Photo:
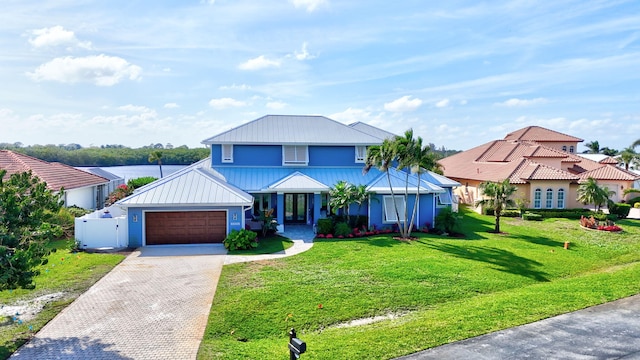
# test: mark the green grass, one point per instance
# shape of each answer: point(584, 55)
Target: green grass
point(268, 245)
point(446, 289)
point(71, 273)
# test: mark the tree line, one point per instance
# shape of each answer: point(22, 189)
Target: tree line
point(108, 155)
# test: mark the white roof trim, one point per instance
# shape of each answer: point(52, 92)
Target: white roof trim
point(298, 181)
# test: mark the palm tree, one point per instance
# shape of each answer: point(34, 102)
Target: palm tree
point(592, 193)
point(635, 144)
point(341, 195)
point(156, 156)
point(628, 156)
point(593, 147)
point(497, 196)
point(382, 157)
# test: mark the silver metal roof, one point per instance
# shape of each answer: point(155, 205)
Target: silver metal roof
point(372, 130)
point(398, 181)
point(298, 181)
point(294, 129)
point(195, 186)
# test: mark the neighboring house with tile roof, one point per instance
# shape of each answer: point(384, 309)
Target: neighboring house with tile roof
point(81, 188)
point(282, 162)
point(543, 165)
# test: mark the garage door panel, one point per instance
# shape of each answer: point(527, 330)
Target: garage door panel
point(188, 227)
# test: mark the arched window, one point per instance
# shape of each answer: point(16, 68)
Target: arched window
point(571, 149)
point(564, 147)
point(560, 204)
point(549, 203)
point(537, 198)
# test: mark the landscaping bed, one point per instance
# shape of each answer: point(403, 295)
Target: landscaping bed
point(422, 293)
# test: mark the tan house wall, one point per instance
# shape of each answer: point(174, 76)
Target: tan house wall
point(558, 145)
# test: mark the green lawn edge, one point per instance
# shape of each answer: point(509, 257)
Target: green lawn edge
point(268, 245)
point(444, 323)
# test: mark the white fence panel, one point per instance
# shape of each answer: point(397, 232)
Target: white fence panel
point(95, 233)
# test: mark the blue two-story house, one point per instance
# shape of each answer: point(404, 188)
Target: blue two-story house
point(281, 162)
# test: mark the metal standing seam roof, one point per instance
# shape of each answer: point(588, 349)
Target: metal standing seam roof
point(298, 181)
point(195, 187)
point(103, 173)
point(294, 129)
point(398, 180)
point(372, 130)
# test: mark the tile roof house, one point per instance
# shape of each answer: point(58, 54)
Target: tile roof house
point(541, 162)
point(81, 188)
point(281, 162)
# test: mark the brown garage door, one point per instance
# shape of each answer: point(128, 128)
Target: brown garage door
point(185, 227)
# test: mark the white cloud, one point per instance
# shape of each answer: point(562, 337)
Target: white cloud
point(304, 54)
point(310, 5)
point(224, 103)
point(403, 104)
point(134, 108)
point(208, 2)
point(101, 70)
point(56, 36)
point(171, 106)
point(352, 115)
point(276, 105)
point(235, 87)
point(522, 102)
point(442, 103)
point(261, 62)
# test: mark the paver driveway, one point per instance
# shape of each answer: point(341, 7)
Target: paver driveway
point(151, 306)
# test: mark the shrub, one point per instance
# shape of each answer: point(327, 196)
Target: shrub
point(446, 220)
point(325, 226)
point(531, 216)
point(637, 205)
point(488, 211)
point(141, 181)
point(342, 229)
point(634, 201)
point(510, 213)
point(241, 240)
point(619, 209)
point(76, 211)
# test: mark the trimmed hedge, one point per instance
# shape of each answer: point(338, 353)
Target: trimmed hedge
point(510, 213)
point(532, 217)
point(325, 226)
point(619, 209)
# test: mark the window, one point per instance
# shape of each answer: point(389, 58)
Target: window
point(261, 202)
point(295, 155)
point(390, 205)
point(361, 154)
point(560, 204)
point(571, 149)
point(443, 199)
point(564, 147)
point(549, 203)
point(537, 197)
point(227, 153)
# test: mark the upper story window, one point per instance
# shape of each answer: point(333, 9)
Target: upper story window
point(361, 154)
point(227, 153)
point(564, 147)
point(571, 149)
point(295, 155)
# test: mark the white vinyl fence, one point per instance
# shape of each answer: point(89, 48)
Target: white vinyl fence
point(93, 231)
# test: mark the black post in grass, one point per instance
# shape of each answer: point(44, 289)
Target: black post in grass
point(296, 346)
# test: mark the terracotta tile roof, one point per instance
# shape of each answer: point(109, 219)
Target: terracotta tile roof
point(530, 170)
point(609, 160)
point(540, 134)
point(56, 175)
point(609, 172)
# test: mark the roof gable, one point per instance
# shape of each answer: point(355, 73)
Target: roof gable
point(398, 180)
point(540, 134)
point(298, 181)
point(56, 175)
point(609, 172)
point(372, 130)
point(294, 129)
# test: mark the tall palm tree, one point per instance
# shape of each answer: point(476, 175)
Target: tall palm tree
point(593, 147)
point(156, 156)
point(382, 157)
point(497, 196)
point(628, 156)
point(590, 192)
point(635, 144)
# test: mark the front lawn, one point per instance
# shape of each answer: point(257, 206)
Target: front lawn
point(436, 289)
point(266, 245)
point(67, 275)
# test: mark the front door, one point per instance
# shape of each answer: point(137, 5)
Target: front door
point(295, 208)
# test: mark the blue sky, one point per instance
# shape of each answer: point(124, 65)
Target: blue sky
point(460, 73)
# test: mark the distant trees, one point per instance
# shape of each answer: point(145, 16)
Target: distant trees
point(107, 155)
point(593, 147)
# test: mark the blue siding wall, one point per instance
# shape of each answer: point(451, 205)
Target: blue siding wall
point(332, 156)
point(426, 211)
point(249, 155)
